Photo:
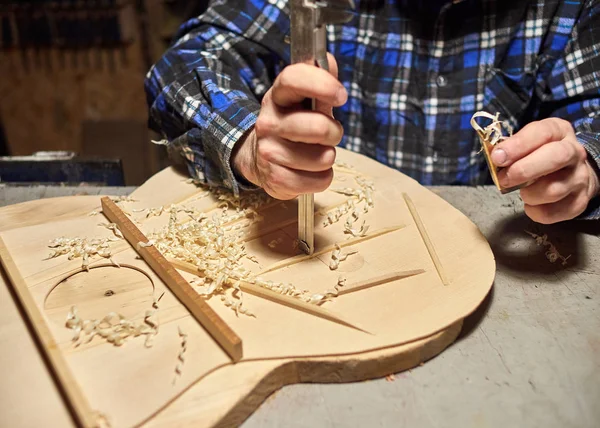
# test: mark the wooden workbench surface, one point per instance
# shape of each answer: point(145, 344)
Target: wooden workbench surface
point(529, 357)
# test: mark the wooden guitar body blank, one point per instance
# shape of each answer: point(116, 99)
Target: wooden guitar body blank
point(418, 270)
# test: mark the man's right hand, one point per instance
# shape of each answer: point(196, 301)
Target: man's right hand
point(291, 150)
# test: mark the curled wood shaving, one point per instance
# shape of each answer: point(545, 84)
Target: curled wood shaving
point(552, 254)
point(114, 227)
point(114, 328)
point(212, 246)
point(141, 244)
point(494, 132)
point(337, 256)
point(341, 164)
point(118, 199)
point(354, 232)
point(155, 212)
point(361, 195)
point(181, 355)
point(85, 248)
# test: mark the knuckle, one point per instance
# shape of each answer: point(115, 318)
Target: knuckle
point(265, 125)
point(556, 191)
point(564, 153)
point(286, 77)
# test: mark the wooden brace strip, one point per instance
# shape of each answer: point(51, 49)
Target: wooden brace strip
point(212, 323)
point(378, 280)
point(290, 302)
point(428, 243)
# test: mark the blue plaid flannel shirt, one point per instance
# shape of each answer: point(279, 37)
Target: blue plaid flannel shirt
point(415, 72)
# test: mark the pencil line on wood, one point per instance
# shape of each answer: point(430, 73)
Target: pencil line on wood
point(425, 236)
point(76, 400)
point(275, 297)
point(212, 323)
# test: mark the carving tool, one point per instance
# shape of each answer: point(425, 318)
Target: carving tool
point(212, 323)
point(309, 19)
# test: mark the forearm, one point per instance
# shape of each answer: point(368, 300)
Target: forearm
point(204, 94)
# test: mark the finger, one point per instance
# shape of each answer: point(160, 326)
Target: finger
point(333, 67)
point(299, 156)
point(545, 160)
point(327, 108)
point(300, 81)
point(529, 139)
point(286, 183)
point(565, 209)
point(304, 126)
point(554, 187)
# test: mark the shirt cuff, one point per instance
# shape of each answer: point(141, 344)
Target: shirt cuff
point(591, 143)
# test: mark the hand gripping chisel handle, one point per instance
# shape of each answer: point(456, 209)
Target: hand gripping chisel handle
point(309, 19)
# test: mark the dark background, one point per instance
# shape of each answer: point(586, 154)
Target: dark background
point(72, 73)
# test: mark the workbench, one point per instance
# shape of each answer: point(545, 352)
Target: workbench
point(528, 357)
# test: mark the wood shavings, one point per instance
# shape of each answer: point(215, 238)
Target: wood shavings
point(114, 227)
point(552, 254)
point(85, 248)
point(118, 199)
point(114, 328)
point(337, 256)
point(155, 212)
point(101, 420)
point(140, 244)
point(494, 132)
point(354, 232)
point(252, 258)
point(341, 164)
point(95, 212)
point(216, 250)
point(181, 355)
point(390, 378)
point(361, 195)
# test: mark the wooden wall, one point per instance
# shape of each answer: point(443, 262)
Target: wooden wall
point(67, 100)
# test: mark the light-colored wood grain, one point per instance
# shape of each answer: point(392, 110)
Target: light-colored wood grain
point(428, 243)
point(77, 400)
point(405, 316)
point(327, 249)
point(265, 293)
point(218, 329)
point(378, 280)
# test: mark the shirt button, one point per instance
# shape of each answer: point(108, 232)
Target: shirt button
point(441, 81)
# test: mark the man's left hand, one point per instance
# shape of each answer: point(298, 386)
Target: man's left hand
point(547, 154)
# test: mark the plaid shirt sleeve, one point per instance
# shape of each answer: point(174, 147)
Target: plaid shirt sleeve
point(574, 86)
point(204, 93)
